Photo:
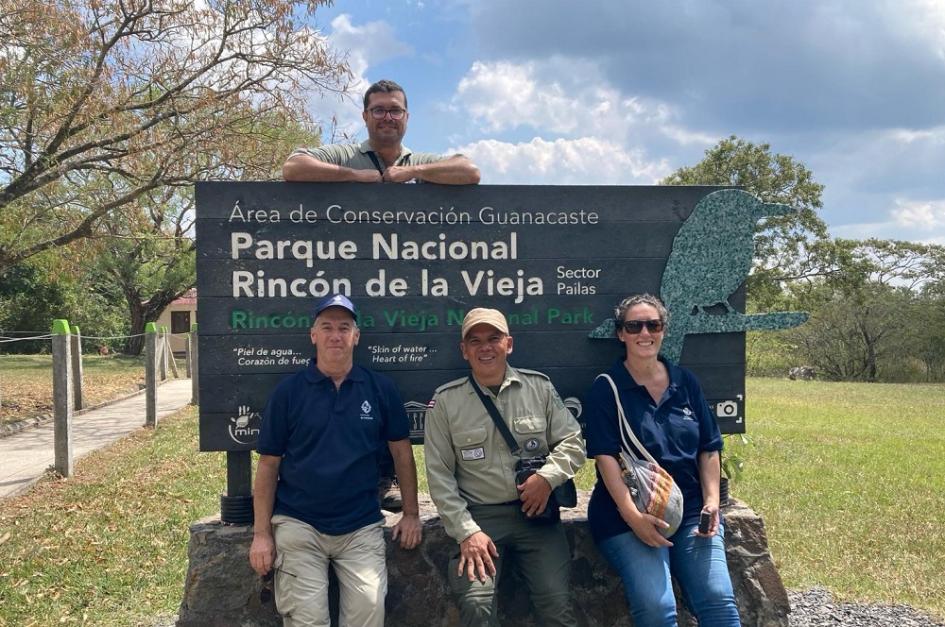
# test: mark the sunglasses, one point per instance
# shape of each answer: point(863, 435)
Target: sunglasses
point(636, 326)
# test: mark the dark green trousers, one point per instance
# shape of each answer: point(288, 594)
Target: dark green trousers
point(540, 551)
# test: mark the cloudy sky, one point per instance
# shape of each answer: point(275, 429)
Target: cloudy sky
point(624, 92)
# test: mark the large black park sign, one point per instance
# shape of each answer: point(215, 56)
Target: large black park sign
point(416, 258)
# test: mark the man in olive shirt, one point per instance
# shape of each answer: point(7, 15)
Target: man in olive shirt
point(471, 474)
point(382, 158)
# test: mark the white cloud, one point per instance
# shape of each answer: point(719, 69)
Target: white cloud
point(933, 135)
point(866, 230)
point(889, 177)
point(365, 45)
point(582, 161)
point(887, 230)
point(910, 220)
point(564, 97)
point(686, 137)
point(505, 95)
point(924, 20)
point(761, 66)
point(920, 214)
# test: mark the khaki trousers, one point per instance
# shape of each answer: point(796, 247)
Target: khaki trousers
point(543, 558)
point(301, 579)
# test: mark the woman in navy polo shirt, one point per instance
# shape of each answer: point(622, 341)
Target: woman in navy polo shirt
point(668, 413)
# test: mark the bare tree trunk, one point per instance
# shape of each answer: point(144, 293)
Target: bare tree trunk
point(136, 315)
point(140, 313)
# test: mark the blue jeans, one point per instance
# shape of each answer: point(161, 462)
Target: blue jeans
point(699, 566)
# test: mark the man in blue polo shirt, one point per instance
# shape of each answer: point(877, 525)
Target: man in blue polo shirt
point(315, 495)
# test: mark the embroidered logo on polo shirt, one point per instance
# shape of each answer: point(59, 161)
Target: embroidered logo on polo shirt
point(366, 411)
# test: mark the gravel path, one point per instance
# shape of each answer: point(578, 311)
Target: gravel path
point(812, 608)
point(816, 608)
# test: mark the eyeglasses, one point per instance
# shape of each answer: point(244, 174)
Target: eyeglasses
point(378, 113)
point(636, 326)
point(265, 593)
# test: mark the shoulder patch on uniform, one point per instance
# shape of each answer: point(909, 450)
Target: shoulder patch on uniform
point(451, 384)
point(534, 372)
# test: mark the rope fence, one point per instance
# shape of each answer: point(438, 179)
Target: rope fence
point(67, 369)
point(4, 339)
point(111, 337)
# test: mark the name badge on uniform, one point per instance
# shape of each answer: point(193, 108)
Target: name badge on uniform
point(471, 454)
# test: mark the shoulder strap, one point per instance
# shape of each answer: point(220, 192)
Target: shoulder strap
point(496, 418)
point(624, 426)
point(375, 161)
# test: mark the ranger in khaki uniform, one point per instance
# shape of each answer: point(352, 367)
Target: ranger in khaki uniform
point(471, 474)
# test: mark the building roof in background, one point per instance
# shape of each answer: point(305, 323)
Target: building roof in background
point(189, 298)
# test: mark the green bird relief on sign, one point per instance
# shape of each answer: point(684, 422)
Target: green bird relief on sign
point(711, 257)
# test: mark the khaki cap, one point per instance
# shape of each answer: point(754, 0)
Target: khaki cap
point(480, 315)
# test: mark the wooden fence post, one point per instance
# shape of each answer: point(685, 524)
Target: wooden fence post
point(187, 356)
point(78, 393)
point(161, 352)
point(170, 353)
point(150, 374)
point(62, 398)
point(194, 367)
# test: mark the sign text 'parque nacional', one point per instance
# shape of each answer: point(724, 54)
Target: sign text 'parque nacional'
point(416, 258)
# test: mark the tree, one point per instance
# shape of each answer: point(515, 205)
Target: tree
point(913, 265)
point(148, 258)
point(929, 325)
point(878, 313)
point(104, 102)
point(788, 247)
point(852, 334)
point(50, 286)
point(144, 251)
point(30, 298)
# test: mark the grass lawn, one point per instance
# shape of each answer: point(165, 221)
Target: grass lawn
point(26, 382)
point(109, 546)
point(850, 479)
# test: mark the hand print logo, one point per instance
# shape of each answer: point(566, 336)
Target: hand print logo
point(244, 427)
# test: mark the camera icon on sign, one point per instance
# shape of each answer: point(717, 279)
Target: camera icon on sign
point(726, 409)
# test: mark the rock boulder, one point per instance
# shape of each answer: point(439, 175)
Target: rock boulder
point(221, 588)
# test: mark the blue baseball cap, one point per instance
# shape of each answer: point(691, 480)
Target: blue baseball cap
point(336, 300)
